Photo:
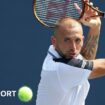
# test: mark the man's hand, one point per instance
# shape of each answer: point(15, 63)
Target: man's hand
point(87, 18)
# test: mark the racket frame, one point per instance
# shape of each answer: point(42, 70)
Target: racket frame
point(100, 13)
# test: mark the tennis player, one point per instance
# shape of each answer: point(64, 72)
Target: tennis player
point(68, 64)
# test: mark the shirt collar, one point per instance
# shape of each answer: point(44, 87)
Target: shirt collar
point(53, 52)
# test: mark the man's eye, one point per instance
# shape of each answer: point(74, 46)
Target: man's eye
point(66, 40)
point(78, 40)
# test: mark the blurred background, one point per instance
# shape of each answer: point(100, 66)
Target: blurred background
point(23, 47)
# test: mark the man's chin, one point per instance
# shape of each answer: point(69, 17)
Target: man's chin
point(71, 56)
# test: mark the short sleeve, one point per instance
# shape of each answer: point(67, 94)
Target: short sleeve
point(70, 76)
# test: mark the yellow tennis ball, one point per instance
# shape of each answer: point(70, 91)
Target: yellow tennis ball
point(25, 94)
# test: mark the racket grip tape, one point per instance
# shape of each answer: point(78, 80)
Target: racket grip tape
point(104, 15)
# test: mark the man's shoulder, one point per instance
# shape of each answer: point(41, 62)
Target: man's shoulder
point(49, 64)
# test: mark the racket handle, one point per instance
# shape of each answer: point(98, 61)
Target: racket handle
point(103, 14)
point(100, 13)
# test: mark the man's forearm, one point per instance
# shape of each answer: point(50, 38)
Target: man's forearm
point(98, 68)
point(89, 49)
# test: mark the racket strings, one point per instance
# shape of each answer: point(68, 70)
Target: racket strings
point(50, 11)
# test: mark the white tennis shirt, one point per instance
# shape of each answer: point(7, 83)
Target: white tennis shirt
point(62, 84)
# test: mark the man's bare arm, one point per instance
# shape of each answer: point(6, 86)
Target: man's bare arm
point(90, 47)
point(98, 69)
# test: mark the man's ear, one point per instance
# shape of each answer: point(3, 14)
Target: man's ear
point(83, 37)
point(53, 40)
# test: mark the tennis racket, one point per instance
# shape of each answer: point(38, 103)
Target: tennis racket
point(48, 12)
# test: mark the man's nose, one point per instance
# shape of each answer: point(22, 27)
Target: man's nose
point(73, 45)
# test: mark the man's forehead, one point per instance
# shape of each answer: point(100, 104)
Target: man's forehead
point(70, 30)
point(72, 36)
point(68, 26)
